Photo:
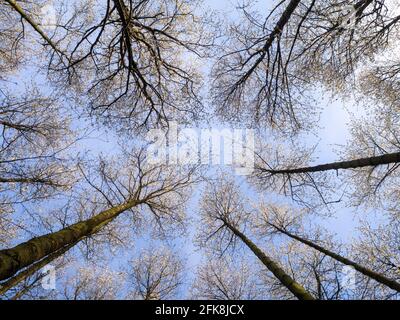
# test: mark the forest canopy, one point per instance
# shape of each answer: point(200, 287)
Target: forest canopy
point(198, 149)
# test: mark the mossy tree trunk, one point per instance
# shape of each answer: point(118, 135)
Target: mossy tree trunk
point(31, 270)
point(15, 259)
point(365, 271)
point(297, 289)
point(352, 164)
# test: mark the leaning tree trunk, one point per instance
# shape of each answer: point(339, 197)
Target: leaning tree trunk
point(26, 289)
point(29, 181)
point(365, 271)
point(14, 259)
point(34, 25)
point(32, 269)
point(283, 20)
point(352, 164)
point(294, 287)
point(12, 282)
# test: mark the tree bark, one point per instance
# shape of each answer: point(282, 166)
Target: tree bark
point(365, 271)
point(361, 6)
point(5, 286)
point(14, 259)
point(283, 20)
point(34, 25)
point(29, 181)
point(294, 287)
point(352, 164)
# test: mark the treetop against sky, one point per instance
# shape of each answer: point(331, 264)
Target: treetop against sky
point(199, 149)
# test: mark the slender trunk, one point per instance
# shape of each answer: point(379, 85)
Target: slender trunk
point(26, 289)
point(367, 272)
point(34, 25)
point(294, 287)
point(361, 6)
point(14, 259)
point(352, 164)
point(19, 127)
point(29, 181)
point(283, 20)
point(12, 282)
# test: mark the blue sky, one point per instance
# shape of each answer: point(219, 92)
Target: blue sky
point(334, 132)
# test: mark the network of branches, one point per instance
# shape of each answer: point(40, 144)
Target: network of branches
point(82, 82)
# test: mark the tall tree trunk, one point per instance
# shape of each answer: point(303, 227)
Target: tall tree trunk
point(361, 6)
point(294, 287)
point(352, 164)
point(12, 282)
point(283, 20)
point(14, 259)
point(29, 181)
point(26, 289)
point(365, 271)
